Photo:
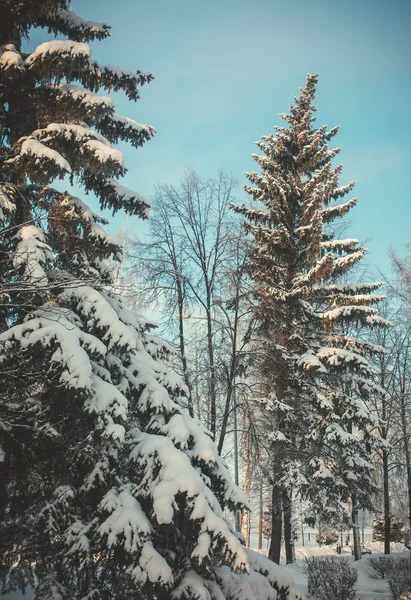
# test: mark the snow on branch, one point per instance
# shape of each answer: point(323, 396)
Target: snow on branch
point(338, 356)
point(340, 245)
point(72, 60)
point(11, 62)
point(379, 321)
point(333, 212)
point(193, 586)
point(38, 161)
point(108, 400)
point(277, 576)
point(92, 305)
point(177, 476)
point(349, 289)
point(69, 23)
point(356, 345)
point(82, 147)
point(51, 328)
point(94, 106)
point(349, 312)
point(32, 254)
point(7, 204)
point(115, 78)
point(344, 263)
point(310, 361)
point(126, 523)
point(152, 567)
point(114, 195)
point(58, 50)
point(117, 127)
point(320, 272)
point(92, 146)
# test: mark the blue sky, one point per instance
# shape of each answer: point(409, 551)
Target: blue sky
point(225, 69)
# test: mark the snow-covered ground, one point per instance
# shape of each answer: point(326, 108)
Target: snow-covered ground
point(367, 588)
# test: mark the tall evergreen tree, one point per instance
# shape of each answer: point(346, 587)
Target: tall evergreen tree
point(315, 367)
point(108, 488)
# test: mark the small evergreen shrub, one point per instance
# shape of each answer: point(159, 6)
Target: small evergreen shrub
point(330, 577)
point(399, 578)
point(396, 530)
point(379, 566)
point(326, 536)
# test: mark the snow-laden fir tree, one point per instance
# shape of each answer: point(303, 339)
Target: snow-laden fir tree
point(108, 488)
point(314, 365)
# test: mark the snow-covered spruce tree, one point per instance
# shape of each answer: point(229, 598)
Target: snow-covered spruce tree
point(108, 488)
point(315, 368)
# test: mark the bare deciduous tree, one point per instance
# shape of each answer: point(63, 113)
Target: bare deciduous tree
point(192, 267)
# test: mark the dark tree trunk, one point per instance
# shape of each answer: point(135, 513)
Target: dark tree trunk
point(405, 433)
point(274, 551)
point(186, 376)
point(210, 348)
point(385, 471)
point(227, 410)
point(260, 519)
point(387, 515)
point(355, 529)
point(288, 528)
point(230, 379)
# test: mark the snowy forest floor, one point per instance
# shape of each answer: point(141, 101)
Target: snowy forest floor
point(367, 588)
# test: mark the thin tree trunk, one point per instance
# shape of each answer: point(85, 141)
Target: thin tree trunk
point(197, 391)
point(403, 385)
point(186, 376)
point(288, 528)
point(226, 414)
point(274, 552)
point(260, 519)
point(302, 522)
point(405, 434)
point(238, 514)
point(231, 381)
point(246, 527)
point(210, 349)
point(385, 471)
point(387, 512)
point(355, 529)
point(247, 473)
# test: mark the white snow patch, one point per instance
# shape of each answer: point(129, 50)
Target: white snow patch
point(10, 59)
point(85, 97)
point(71, 19)
point(126, 520)
point(63, 47)
point(33, 147)
point(152, 567)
